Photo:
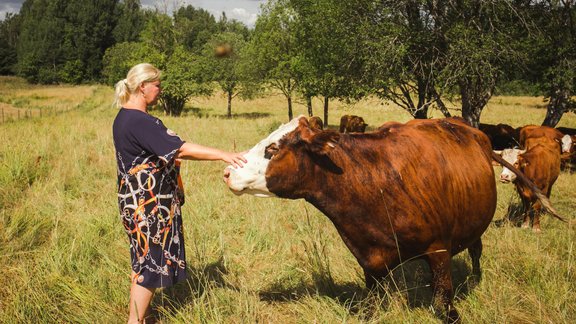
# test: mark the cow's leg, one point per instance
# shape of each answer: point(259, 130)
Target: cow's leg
point(442, 283)
point(372, 278)
point(527, 206)
point(536, 220)
point(475, 251)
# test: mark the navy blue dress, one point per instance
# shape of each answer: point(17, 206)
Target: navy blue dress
point(149, 197)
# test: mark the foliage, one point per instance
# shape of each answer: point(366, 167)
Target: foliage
point(273, 50)
point(122, 56)
point(194, 27)
point(9, 31)
point(225, 71)
point(183, 78)
point(54, 33)
point(131, 21)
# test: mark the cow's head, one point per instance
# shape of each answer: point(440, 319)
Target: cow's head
point(514, 157)
point(274, 164)
point(567, 143)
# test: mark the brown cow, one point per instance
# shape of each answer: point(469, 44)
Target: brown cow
point(352, 124)
point(541, 164)
point(532, 131)
point(501, 136)
point(316, 122)
point(424, 189)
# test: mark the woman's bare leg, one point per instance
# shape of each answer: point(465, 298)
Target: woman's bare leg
point(140, 298)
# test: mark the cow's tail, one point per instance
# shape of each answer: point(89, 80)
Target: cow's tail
point(520, 176)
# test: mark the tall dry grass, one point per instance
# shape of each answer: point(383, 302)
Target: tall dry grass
point(64, 255)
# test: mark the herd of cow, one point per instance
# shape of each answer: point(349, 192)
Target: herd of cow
point(423, 189)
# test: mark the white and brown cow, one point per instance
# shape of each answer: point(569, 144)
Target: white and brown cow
point(541, 164)
point(424, 189)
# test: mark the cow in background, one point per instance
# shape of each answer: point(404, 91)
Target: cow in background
point(316, 123)
point(502, 136)
point(424, 189)
point(541, 164)
point(352, 124)
point(532, 135)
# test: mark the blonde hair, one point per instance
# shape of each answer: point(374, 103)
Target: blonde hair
point(138, 74)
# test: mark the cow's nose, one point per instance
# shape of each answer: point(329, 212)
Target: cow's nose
point(226, 175)
point(504, 178)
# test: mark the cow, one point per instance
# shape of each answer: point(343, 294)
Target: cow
point(424, 189)
point(501, 136)
point(531, 135)
point(352, 124)
point(316, 122)
point(566, 130)
point(541, 164)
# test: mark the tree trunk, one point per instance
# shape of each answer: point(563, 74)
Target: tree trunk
point(475, 94)
point(557, 105)
point(290, 114)
point(229, 104)
point(309, 105)
point(173, 106)
point(326, 101)
point(440, 103)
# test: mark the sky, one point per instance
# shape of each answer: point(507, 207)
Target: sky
point(245, 11)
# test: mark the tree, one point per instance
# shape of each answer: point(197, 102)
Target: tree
point(273, 50)
point(225, 69)
point(64, 41)
point(9, 32)
point(131, 21)
point(194, 27)
point(183, 79)
point(554, 55)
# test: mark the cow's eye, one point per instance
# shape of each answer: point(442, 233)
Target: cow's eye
point(270, 151)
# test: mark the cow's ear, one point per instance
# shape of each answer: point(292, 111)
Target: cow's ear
point(323, 142)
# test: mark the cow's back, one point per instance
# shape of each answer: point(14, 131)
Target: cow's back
point(433, 177)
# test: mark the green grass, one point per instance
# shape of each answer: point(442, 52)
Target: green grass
point(65, 257)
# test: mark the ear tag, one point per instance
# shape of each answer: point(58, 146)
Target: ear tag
point(331, 145)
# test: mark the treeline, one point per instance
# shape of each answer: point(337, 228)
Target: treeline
point(418, 54)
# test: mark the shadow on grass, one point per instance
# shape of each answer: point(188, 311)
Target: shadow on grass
point(250, 115)
point(413, 280)
point(197, 283)
point(514, 216)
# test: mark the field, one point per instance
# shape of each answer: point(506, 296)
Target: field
point(64, 254)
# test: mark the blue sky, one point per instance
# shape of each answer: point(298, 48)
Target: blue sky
point(245, 11)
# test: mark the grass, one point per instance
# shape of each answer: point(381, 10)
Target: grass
point(65, 257)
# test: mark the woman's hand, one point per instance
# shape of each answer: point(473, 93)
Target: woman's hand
point(236, 160)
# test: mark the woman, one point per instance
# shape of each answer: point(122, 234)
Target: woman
point(149, 194)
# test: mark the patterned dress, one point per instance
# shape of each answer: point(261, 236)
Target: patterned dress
point(149, 197)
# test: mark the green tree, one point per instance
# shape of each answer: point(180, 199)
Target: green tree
point(553, 55)
point(225, 70)
point(273, 50)
point(194, 27)
point(9, 32)
point(183, 79)
point(64, 41)
point(39, 48)
point(131, 21)
point(328, 61)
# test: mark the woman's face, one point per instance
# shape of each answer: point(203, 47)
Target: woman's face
point(151, 92)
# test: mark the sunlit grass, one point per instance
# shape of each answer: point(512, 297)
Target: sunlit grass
point(65, 256)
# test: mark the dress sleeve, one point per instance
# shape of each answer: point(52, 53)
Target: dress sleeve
point(153, 136)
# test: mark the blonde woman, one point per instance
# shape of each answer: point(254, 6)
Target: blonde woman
point(149, 195)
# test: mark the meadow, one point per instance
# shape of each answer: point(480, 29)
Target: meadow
point(64, 254)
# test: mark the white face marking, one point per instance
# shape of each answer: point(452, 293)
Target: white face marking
point(566, 143)
point(510, 156)
point(251, 179)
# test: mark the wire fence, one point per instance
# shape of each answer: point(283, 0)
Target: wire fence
point(10, 114)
